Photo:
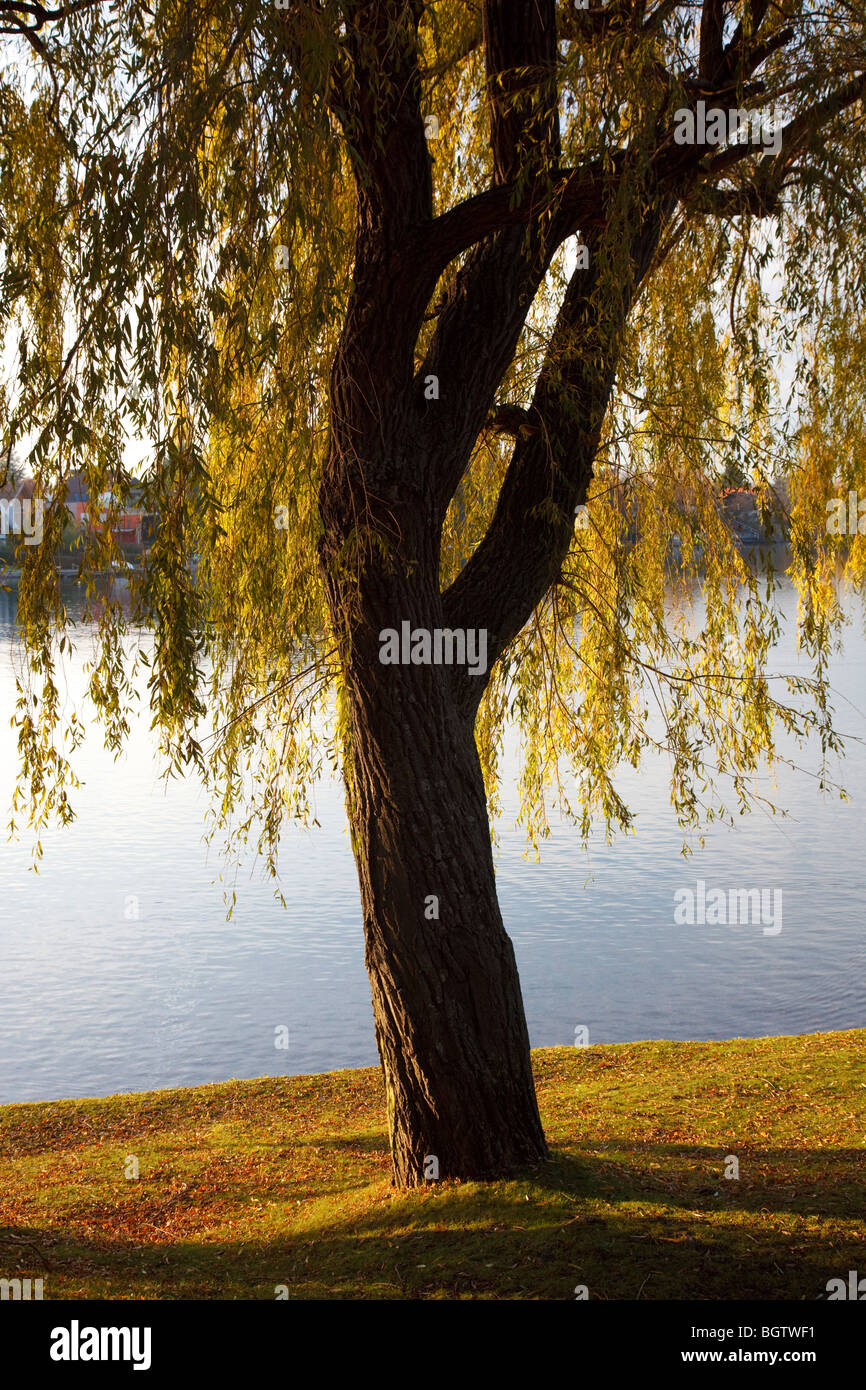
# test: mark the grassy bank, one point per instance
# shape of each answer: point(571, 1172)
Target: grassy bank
point(254, 1184)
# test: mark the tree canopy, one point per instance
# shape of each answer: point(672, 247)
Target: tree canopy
point(155, 162)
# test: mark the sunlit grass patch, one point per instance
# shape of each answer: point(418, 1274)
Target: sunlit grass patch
point(251, 1185)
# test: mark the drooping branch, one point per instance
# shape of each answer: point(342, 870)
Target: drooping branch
point(470, 43)
point(577, 194)
point(521, 555)
point(512, 229)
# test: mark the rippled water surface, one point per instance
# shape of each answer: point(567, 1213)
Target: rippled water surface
point(94, 1000)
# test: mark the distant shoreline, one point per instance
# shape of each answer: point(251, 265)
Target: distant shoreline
point(13, 576)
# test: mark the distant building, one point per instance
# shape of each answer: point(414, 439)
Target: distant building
point(77, 497)
point(751, 524)
point(134, 526)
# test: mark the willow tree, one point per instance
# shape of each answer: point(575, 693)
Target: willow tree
point(436, 321)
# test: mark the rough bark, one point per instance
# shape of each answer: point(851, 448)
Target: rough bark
point(448, 1011)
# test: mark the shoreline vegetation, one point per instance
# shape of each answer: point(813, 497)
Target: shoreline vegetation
point(280, 1187)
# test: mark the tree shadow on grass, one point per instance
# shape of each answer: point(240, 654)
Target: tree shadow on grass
point(821, 1182)
point(607, 1221)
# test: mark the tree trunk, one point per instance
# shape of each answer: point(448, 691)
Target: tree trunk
point(449, 1016)
point(450, 1025)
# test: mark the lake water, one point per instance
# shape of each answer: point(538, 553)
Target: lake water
point(94, 999)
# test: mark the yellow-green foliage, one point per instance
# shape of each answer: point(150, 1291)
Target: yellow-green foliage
point(148, 178)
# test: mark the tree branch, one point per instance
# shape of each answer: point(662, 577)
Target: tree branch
point(520, 61)
point(712, 28)
point(25, 21)
point(572, 195)
point(736, 53)
point(380, 113)
point(807, 123)
point(511, 228)
point(550, 469)
point(371, 379)
point(575, 22)
point(760, 196)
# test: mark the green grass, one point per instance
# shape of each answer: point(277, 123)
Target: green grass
point(253, 1184)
